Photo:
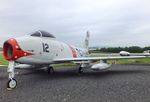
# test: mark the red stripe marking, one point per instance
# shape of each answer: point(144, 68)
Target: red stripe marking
point(74, 53)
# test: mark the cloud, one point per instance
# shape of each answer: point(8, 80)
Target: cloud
point(110, 22)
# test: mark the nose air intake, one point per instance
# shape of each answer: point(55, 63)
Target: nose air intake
point(12, 50)
point(8, 50)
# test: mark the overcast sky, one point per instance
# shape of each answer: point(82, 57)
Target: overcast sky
point(110, 22)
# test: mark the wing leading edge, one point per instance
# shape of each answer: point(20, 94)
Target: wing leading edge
point(97, 58)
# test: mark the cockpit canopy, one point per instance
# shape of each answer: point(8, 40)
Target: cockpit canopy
point(41, 33)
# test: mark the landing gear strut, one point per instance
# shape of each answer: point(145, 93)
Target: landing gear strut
point(12, 83)
point(50, 70)
point(83, 65)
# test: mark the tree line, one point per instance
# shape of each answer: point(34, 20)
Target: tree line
point(132, 49)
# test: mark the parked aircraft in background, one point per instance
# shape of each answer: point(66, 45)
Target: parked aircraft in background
point(146, 53)
point(41, 49)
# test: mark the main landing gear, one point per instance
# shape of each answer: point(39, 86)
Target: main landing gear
point(82, 66)
point(80, 70)
point(12, 83)
point(50, 70)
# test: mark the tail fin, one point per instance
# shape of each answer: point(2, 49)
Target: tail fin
point(86, 43)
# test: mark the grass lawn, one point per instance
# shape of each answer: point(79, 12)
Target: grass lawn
point(123, 61)
point(131, 61)
point(2, 60)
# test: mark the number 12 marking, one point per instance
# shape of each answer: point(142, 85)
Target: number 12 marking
point(45, 47)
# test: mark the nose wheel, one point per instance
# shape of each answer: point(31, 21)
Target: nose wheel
point(11, 84)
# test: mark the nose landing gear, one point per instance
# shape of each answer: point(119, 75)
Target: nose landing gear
point(12, 83)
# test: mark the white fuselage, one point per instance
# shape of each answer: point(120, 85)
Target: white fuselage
point(45, 50)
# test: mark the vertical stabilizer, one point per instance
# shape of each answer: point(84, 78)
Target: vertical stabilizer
point(86, 43)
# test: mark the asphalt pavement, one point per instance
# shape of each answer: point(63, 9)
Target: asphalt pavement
point(121, 83)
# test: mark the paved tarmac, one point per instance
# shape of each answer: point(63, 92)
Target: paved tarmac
point(121, 83)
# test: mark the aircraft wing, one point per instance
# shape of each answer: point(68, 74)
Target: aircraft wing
point(98, 58)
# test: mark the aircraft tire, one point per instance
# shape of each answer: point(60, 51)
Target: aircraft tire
point(50, 70)
point(11, 84)
point(80, 71)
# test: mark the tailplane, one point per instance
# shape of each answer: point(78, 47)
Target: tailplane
point(86, 43)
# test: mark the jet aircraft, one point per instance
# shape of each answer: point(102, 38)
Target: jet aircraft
point(41, 49)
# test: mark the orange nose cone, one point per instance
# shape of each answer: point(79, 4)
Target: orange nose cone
point(12, 50)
